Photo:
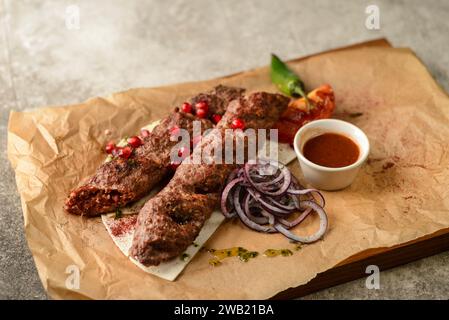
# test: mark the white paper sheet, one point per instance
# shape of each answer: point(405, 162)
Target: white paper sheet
point(171, 269)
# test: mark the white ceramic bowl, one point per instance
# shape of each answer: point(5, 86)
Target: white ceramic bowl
point(326, 178)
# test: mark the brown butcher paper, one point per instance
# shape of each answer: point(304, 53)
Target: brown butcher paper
point(401, 193)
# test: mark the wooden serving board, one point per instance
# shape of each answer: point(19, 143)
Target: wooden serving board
point(385, 258)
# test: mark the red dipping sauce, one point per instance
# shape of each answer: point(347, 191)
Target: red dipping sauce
point(331, 150)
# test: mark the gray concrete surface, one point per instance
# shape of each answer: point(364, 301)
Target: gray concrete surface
point(124, 44)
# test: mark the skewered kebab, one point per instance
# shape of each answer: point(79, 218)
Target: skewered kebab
point(169, 222)
point(126, 179)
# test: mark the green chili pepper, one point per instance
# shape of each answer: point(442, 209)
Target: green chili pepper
point(286, 80)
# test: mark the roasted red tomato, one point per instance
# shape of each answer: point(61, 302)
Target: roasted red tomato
point(321, 106)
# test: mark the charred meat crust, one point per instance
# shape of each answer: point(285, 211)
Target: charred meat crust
point(219, 98)
point(170, 222)
point(120, 181)
point(115, 184)
point(183, 219)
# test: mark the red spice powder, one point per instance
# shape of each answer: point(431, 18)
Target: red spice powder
point(388, 165)
point(123, 225)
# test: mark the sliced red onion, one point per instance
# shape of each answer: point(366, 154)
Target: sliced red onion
point(298, 220)
point(247, 207)
point(266, 202)
point(275, 181)
point(316, 236)
point(246, 220)
point(224, 198)
point(270, 217)
point(308, 191)
point(289, 207)
point(276, 165)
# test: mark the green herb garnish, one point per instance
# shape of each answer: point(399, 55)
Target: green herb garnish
point(118, 213)
point(184, 256)
point(245, 256)
point(286, 252)
point(132, 163)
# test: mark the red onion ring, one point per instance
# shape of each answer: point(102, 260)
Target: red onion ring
point(308, 191)
point(247, 207)
point(224, 198)
point(298, 220)
point(266, 202)
point(246, 220)
point(263, 188)
point(308, 239)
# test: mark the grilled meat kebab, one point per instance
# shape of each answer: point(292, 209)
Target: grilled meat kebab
point(121, 181)
point(168, 223)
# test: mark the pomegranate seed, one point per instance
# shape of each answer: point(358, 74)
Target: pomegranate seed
point(216, 118)
point(110, 147)
point(144, 133)
point(202, 105)
point(174, 165)
point(183, 152)
point(134, 141)
point(201, 113)
point(125, 152)
point(237, 124)
point(186, 107)
point(174, 131)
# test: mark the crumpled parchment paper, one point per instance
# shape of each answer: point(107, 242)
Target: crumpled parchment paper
point(401, 193)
